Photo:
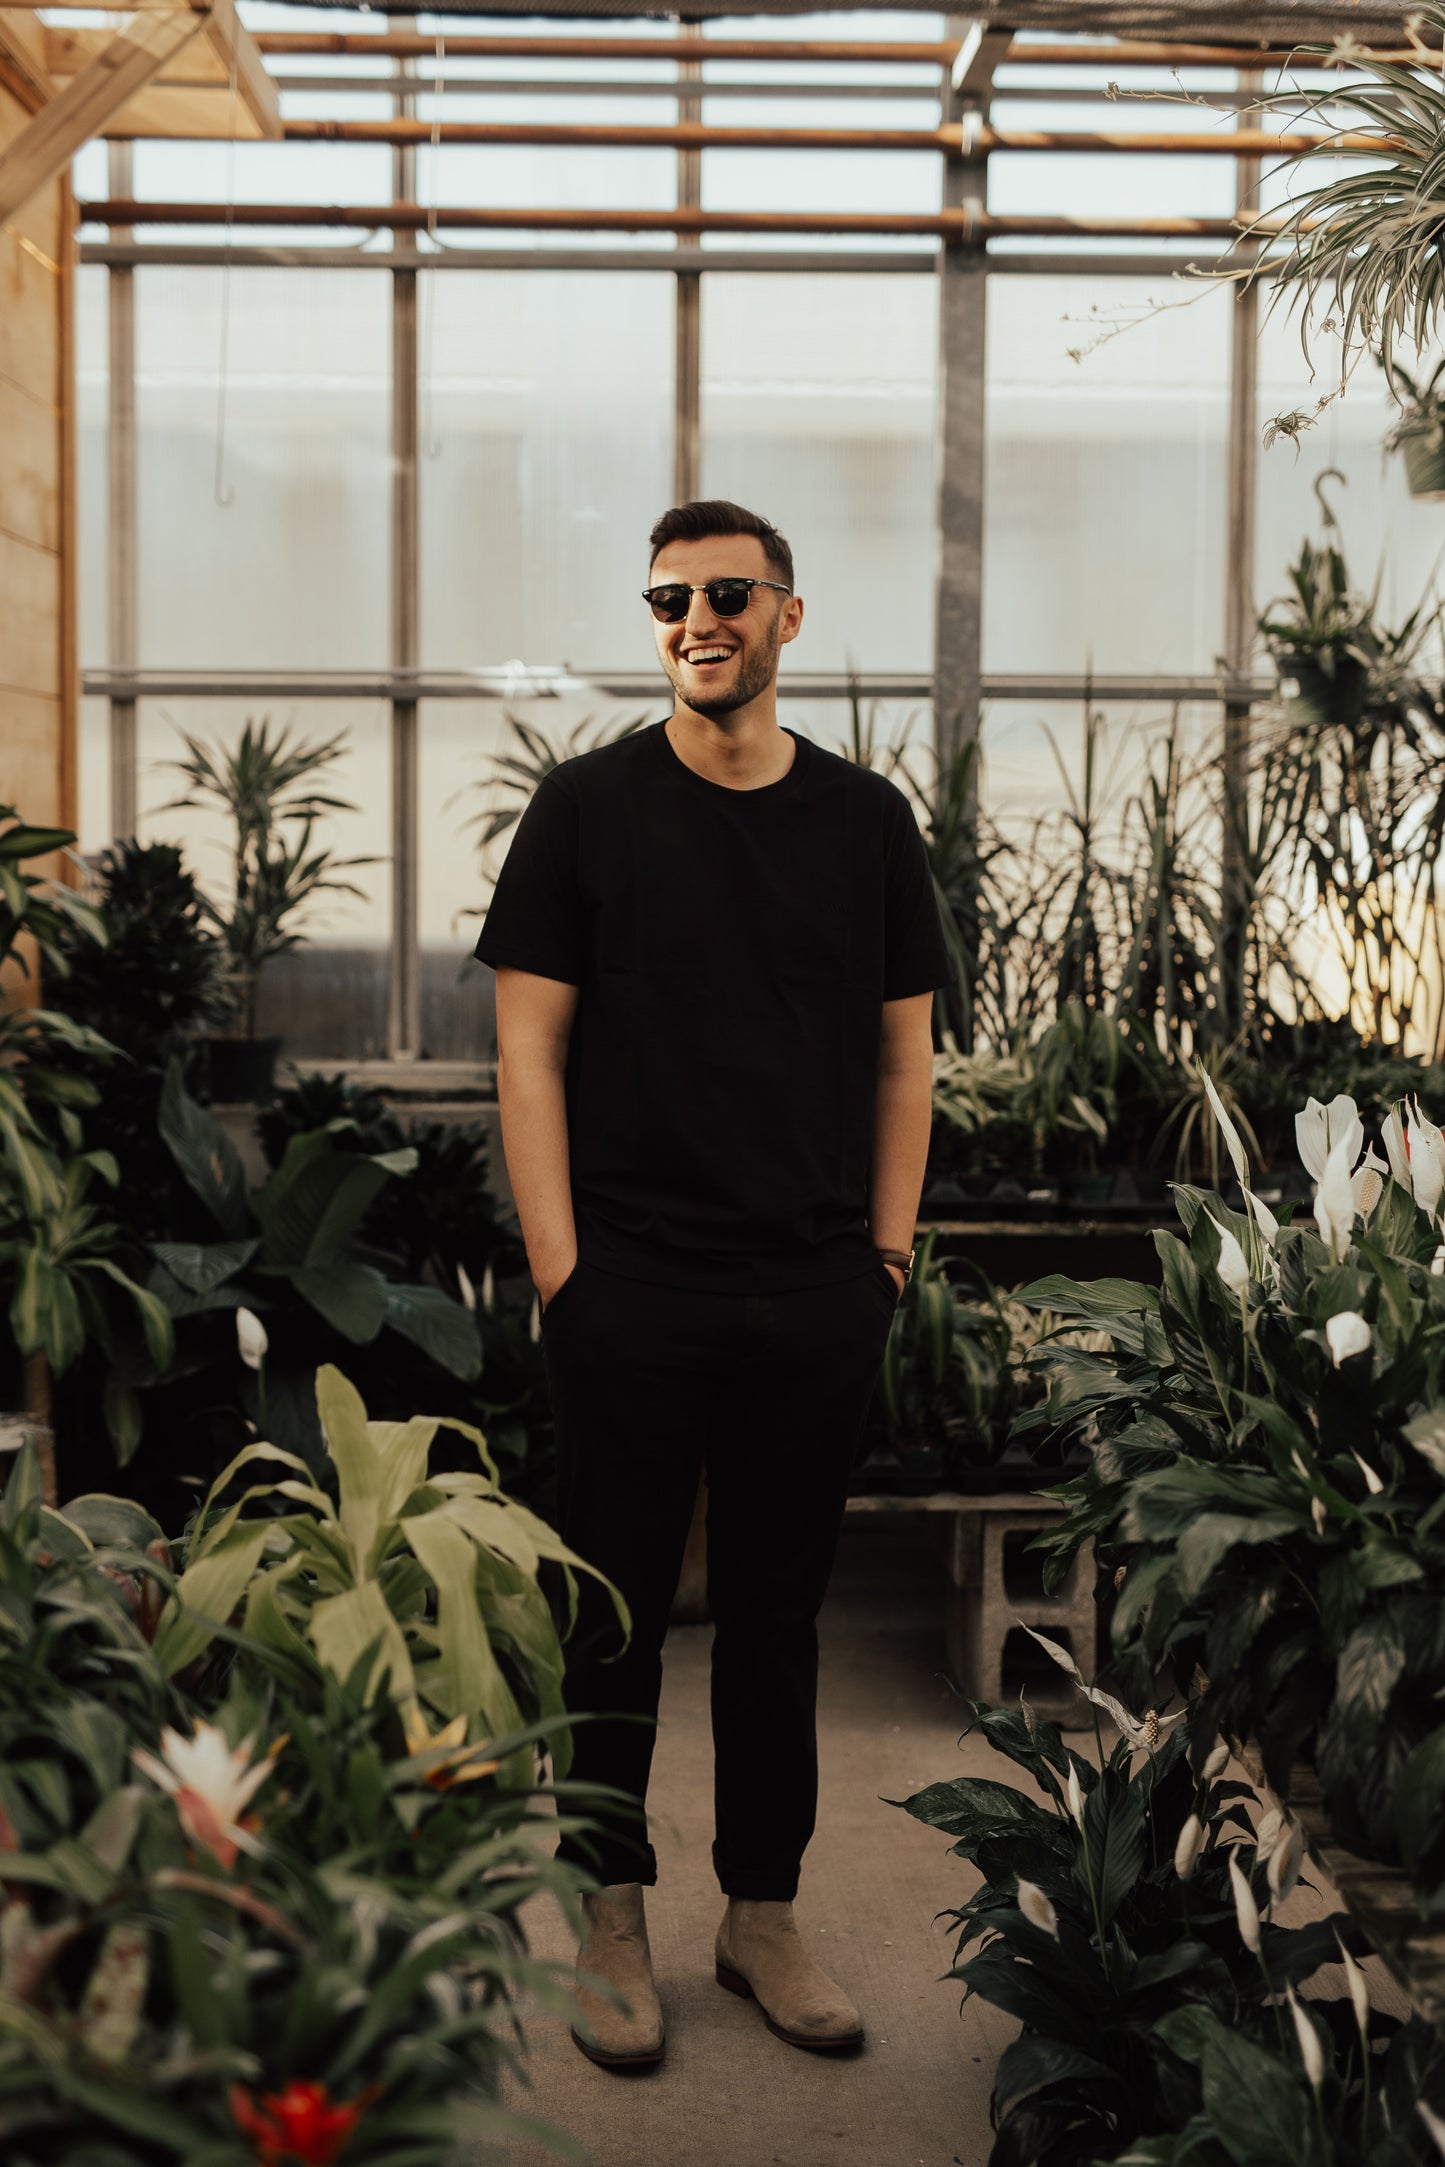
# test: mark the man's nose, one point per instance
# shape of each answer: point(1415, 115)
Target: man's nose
point(700, 616)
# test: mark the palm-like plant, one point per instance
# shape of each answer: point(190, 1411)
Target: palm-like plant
point(520, 773)
point(266, 786)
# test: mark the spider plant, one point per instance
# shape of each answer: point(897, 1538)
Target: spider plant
point(1419, 430)
point(1364, 248)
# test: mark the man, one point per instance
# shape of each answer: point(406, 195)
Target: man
point(716, 947)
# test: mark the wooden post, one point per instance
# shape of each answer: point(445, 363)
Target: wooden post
point(404, 1020)
point(1239, 607)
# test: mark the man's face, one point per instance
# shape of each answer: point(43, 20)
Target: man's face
point(714, 664)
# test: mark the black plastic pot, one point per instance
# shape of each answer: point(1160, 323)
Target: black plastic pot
point(241, 1071)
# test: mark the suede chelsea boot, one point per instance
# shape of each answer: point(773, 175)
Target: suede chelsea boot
point(615, 1948)
point(759, 1952)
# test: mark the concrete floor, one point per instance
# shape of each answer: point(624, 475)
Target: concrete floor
point(728, 2093)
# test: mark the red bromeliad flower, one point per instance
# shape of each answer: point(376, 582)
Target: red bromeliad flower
point(302, 2122)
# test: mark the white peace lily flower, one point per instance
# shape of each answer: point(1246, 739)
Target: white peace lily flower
point(1037, 1909)
point(251, 1340)
point(1246, 1910)
point(1186, 1851)
point(1216, 1764)
point(1318, 1514)
point(1268, 1224)
point(212, 1784)
point(1372, 1481)
point(534, 1329)
point(1227, 1129)
point(1426, 1147)
point(1285, 1861)
point(489, 1290)
point(1266, 1836)
point(1437, 1262)
point(1346, 1334)
point(1128, 1726)
point(1396, 1149)
point(468, 1291)
point(1320, 1129)
point(1232, 1267)
point(1433, 2123)
point(1367, 1183)
point(1334, 1200)
point(1311, 2052)
point(1075, 1795)
point(1359, 1991)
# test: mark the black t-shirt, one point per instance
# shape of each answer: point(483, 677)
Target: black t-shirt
point(733, 949)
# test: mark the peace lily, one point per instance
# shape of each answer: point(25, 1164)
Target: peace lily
point(1128, 1725)
point(1433, 2123)
point(1359, 1991)
point(251, 1340)
point(1320, 1130)
point(1232, 1267)
point(534, 1328)
point(1415, 1149)
point(1227, 1130)
point(1372, 1481)
point(1246, 1910)
point(1334, 1198)
point(1367, 1183)
point(1186, 1851)
point(1216, 1764)
point(488, 1289)
point(1285, 1861)
point(1037, 1909)
point(464, 1286)
point(1311, 2052)
point(212, 1783)
point(1075, 1795)
point(1266, 1836)
point(1346, 1334)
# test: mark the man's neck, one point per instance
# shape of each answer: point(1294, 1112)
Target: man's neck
point(751, 760)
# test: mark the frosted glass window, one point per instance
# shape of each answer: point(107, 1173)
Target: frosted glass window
point(546, 456)
point(292, 571)
point(92, 435)
point(1105, 495)
point(818, 410)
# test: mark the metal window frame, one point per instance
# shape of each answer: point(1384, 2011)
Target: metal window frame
point(955, 686)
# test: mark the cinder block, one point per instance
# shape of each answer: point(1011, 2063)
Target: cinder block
point(995, 1589)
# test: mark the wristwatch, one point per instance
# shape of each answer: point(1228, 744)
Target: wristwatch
point(902, 1258)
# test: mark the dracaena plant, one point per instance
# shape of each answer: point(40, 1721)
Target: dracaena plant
point(262, 1929)
point(1127, 1922)
point(1267, 1474)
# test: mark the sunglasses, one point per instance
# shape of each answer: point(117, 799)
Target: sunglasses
point(725, 597)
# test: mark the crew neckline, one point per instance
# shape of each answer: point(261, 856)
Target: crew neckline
point(731, 790)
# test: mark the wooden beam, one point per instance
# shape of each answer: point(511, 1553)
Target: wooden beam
point(22, 62)
point(199, 76)
point(45, 147)
point(1248, 22)
point(980, 53)
point(234, 45)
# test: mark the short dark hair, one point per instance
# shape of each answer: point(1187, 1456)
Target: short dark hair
point(715, 516)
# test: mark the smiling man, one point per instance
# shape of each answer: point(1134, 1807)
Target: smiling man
point(716, 947)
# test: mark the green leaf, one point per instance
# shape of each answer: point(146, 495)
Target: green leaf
point(352, 1297)
point(311, 1209)
point(1210, 1538)
point(345, 1627)
point(113, 1522)
point(465, 1680)
point(1258, 2109)
point(441, 1327)
point(1427, 1434)
point(206, 1594)
point(200, 1266)
point(205, 1155)
point(1114, 1834)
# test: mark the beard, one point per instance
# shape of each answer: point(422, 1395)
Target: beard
point(756, 671)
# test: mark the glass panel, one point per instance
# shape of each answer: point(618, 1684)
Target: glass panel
point(819, 412)
point(92, 438)
point(547, 455)
point(1106, 486)
point(292, 570)
point(93, 827)
point(329, 997)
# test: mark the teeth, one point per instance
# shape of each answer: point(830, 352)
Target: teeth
point(709, 654)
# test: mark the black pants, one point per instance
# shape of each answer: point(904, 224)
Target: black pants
point(770, 1391)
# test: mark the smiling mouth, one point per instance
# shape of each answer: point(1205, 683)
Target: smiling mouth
point(708, 658)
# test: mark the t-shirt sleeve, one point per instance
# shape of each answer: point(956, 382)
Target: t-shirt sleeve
point(537, 920)
point(915, 954)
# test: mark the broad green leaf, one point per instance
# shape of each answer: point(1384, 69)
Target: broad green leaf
point(1114, 1834)
point(360, 1470)
point(200, 1266)
point(314, 1209)
point(344, 1627)
point(466, 1679)
point(205, 1155)
point(497, 1527)
point(206, 1594)
point(350, 1296)
point(441, 1327)
point(403, 1449)
point(1210, 1538)
point(155, 1319)
point(113, 1522)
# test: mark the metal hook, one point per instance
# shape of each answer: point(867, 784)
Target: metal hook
point(1328, 474)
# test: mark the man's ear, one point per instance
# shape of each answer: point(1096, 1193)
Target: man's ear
point(790, 620)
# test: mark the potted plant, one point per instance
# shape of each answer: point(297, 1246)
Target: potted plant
point(1419, 432)
point(266, 788)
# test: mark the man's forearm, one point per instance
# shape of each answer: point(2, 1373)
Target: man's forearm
point(902, 1123)
point(532, 1101)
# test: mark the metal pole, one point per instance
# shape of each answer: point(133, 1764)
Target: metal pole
point(958, 616)
point(1239, 620)
point(687, 382)
point(121, 546)
point(404, 1017)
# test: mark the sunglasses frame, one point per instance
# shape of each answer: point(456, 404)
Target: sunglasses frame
point(702, 587)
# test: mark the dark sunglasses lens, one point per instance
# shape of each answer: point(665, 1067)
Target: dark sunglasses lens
point(669, 604)
point(728, 597)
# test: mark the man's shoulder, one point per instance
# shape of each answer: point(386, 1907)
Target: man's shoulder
point(867, 781)
point(601, 764)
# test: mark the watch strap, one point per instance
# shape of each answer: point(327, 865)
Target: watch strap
point(903, 1258)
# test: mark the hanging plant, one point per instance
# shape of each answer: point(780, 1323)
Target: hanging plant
point(1419, 433)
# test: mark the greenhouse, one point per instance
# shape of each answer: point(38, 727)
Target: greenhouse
point(722, 999)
